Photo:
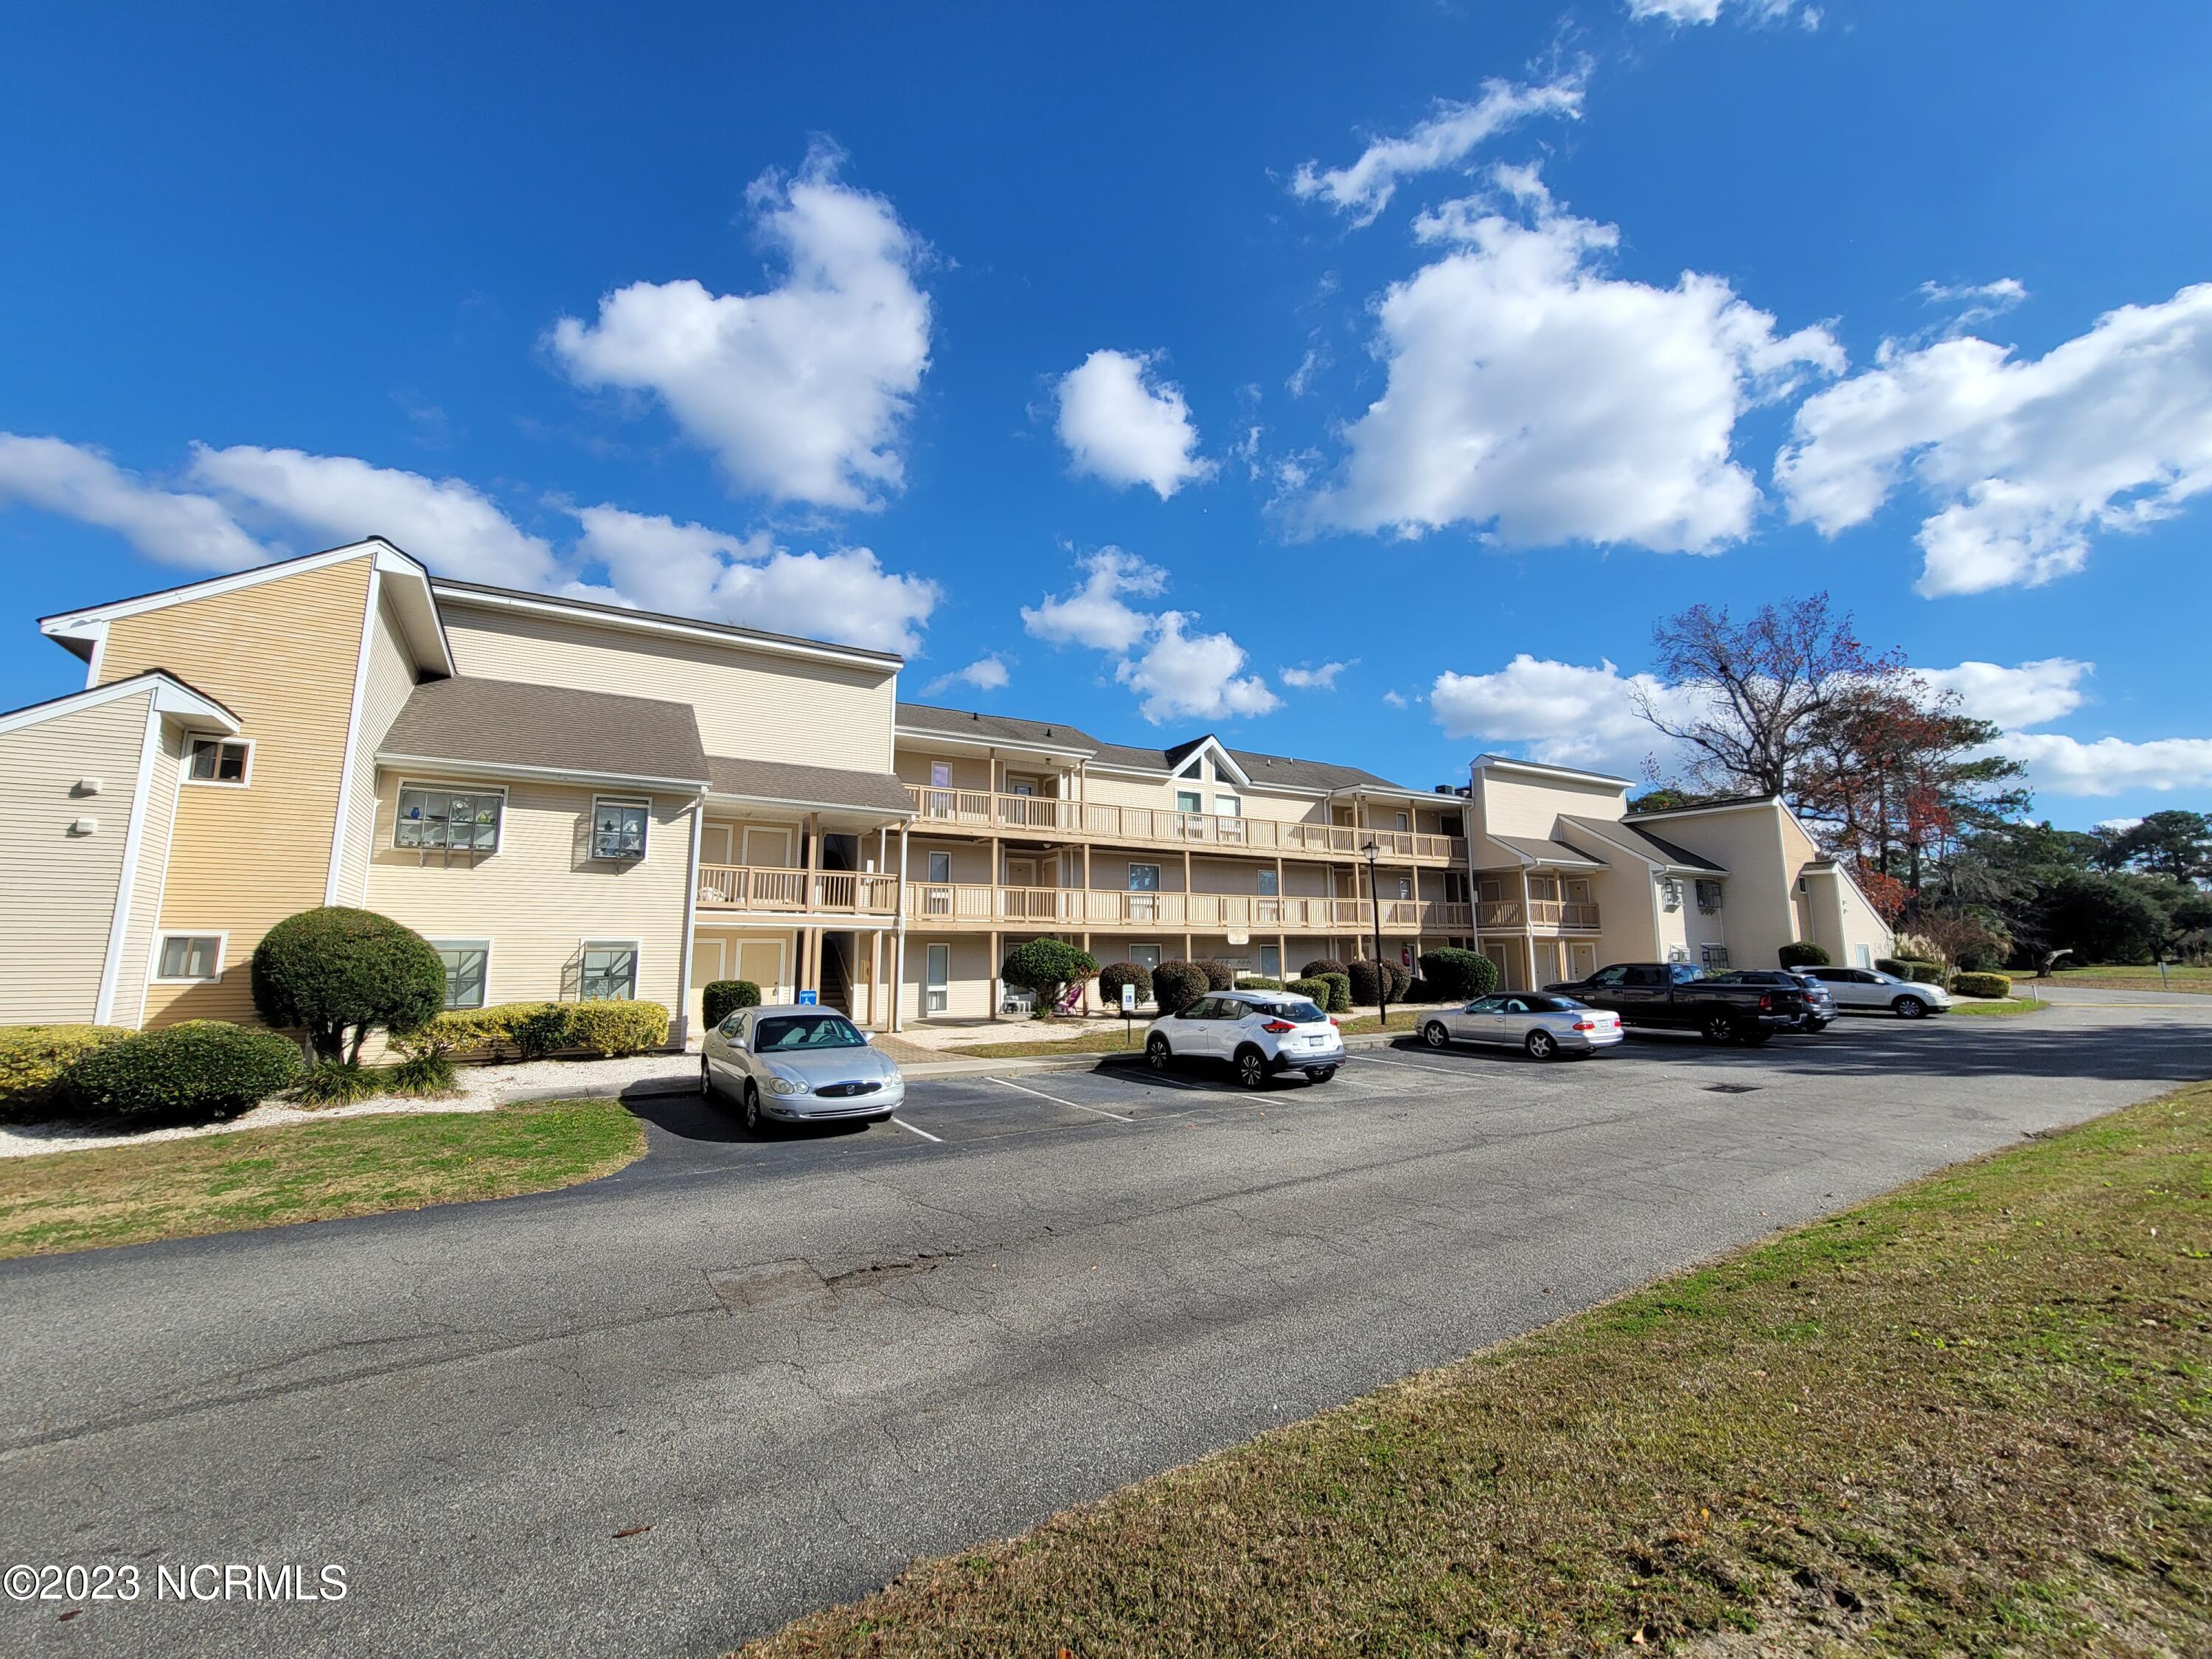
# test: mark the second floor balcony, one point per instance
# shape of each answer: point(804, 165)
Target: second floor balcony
point(1059, 816)
point(1541, 915)
point(936, 904)
point(761, 890)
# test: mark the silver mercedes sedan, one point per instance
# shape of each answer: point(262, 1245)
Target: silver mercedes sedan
point(1542, 1025)
point(798, 1065)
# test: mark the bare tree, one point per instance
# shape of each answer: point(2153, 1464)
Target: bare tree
point(1745, 697)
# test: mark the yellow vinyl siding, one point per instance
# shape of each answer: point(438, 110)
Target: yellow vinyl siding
point(281, 655)
point(539, 896)
point(161, 810)
point(383, 694)
point(57, 890)
point(749, 703)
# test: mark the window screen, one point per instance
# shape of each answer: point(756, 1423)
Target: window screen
point(610, 971)
point(461, 820)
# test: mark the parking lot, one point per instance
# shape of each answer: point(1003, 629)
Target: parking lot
point(748, 1376)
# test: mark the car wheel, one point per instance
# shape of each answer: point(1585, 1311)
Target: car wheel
point(756, 1123)
point(1434, 1034)
point(1717, 1028)
point(1909, 1008)
point(706, 1079)
point(1542, 1045)
point(1251, 1068)
point(1323, 1075)
point(1156, 1052)
point(1753, 1036)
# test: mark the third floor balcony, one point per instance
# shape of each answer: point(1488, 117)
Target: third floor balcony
point(1058, 818)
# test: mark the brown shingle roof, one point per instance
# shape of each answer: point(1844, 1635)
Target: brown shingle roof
point(1639, 840)
point(988, 728)
point(550, 728)
point(808, 786)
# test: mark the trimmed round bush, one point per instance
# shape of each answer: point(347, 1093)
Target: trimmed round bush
point(1982, 985)
point(197, 1073)
point(338, 973)
point(721, 998)
point(1339, 992)
point(1255, 982)
point(33, 1057)
point(1320, 965)
point(1366, 980)
point(1219, 975)
point(1115, 974)
point(1457, 975)
point(1401, 978)
point(1048, 967)
point(1176, 985)
point(1315, 991)
point(617, 1028)
point(1893, 966)
point(1802, 953)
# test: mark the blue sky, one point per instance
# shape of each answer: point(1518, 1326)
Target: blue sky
point(1152, 353)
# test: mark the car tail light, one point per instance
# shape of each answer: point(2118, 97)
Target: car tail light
point(1332, 1019)
point(1276, 1027)
point(1585, 1025)
point(1766, 1003)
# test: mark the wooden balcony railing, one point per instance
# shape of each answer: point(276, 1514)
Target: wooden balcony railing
point(1568, 918)
point(954, 904)
point(758, 888)
point(1053, 815)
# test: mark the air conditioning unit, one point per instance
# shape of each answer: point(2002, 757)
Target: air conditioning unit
point(1670, 894)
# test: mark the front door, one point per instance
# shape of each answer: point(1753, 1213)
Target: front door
point(1146, 957)
point(937, 979)
point(761, 961)
point(1582, 960)
point(717, 843)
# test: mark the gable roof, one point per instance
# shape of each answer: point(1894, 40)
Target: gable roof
point(1536, 849)
point(786, 784)
point(660, 621)
point(555, 732)
point(923, 717)
point(171, 696)
point(1645, 845)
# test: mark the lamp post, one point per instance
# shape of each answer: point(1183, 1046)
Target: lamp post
point(1373, 854)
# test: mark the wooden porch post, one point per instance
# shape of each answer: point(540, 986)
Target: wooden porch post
point(997, 996)
point(898, 939)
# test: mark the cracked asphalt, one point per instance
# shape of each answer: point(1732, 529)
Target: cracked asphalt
point(672, 1409)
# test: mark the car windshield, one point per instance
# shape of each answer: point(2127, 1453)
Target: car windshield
point(1298, 1013)
point(786, 1033)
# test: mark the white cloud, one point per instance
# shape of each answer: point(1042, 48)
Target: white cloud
point(2022, 460)
point(801, 390)
point(1564, 714)
point(1094, 614)
point(1534, 394)
point(844, 595)
point(2060, 765)
point(1395, 699)
point(76, 482)
point(1679, 12)
point(1122, 423)
point(1977, 302)
point(1194, 675)
point(2033, 694)
point(1365, 188)
point(985, 674)
point(447, 523)
point(1323, 679)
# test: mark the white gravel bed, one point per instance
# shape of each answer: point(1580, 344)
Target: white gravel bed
point(482, 1088)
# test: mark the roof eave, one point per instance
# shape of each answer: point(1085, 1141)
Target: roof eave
point(506, 769)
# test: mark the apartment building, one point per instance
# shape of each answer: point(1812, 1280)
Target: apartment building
point(573, 799)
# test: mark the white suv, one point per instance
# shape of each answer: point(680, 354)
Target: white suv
point(1257, 1033)
point(1863, 988)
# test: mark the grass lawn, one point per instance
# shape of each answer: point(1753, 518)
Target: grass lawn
point(2001, 1009)
point(57, 1201)
point(2178, 978)
point(1973, 1417)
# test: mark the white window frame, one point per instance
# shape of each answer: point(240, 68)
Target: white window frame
point(935, 994)
point(940, 775)
point(929, 864)
point(1139, 952)
point(161, 947)
point(1266, 950)
point(1228, 806)
point(192, 743)
point(1268, 884)
point(644, 834)
point(636, 949)
point(1195, 797)
point(1135, 865)
point(482, 945)
point(499, 837)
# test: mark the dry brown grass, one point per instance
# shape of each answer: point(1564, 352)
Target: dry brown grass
point(1969, 1417)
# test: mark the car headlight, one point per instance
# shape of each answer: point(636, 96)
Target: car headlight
point(786, 1086)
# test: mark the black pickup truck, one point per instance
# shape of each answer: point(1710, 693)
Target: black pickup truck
point(1677, 995)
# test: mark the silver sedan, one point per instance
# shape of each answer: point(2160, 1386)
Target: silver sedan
point(1542, 1026)
point(799, 1065)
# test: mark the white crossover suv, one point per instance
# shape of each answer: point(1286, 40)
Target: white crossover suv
point(1257, 1034)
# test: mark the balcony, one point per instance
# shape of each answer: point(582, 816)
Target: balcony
point(1053, 816)
point(940, 905)
point(1544, 915)
point(760, 890)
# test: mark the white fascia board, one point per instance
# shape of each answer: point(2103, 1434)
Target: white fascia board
point(78, 624)
point(415, 601)
point(919, 735)
point(170, 697)
point(1758, 804)
point(849, 808)
point(1538, 769)
point(447, 765)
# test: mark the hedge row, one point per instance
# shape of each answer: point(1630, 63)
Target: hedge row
point(201, 1070)
point(1315, 991)
point(1982, 985)
point(32, 1059)
point(533, 1030)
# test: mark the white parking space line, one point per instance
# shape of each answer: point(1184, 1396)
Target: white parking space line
point(1077, 1104)
point(911, 1130)
point(1407, 1065)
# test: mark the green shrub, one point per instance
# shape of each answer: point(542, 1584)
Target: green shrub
point(337, 975)
point(1892, 966)
point(723, 997)
point(1366, 979)
point(197, 1072)
point(1219, 975)
point(1048, 967)
point(1176, 985)
point(33, 1057)
point(617, 1028)
point(1980, 959)
point(1401, 980)
point(505, 1030)
point(1982, 985)
point(1340, 992)
point(1115, 974)
point(1457, 975)
point(1320, 965)
point(1802, 953)
point(339, 1082)
point(1925, 973)
point(1255, 982)
point(428, 1074)
point(1315, 991)
point(536, 1029)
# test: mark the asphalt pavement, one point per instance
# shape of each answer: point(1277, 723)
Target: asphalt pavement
point(672, 1409)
